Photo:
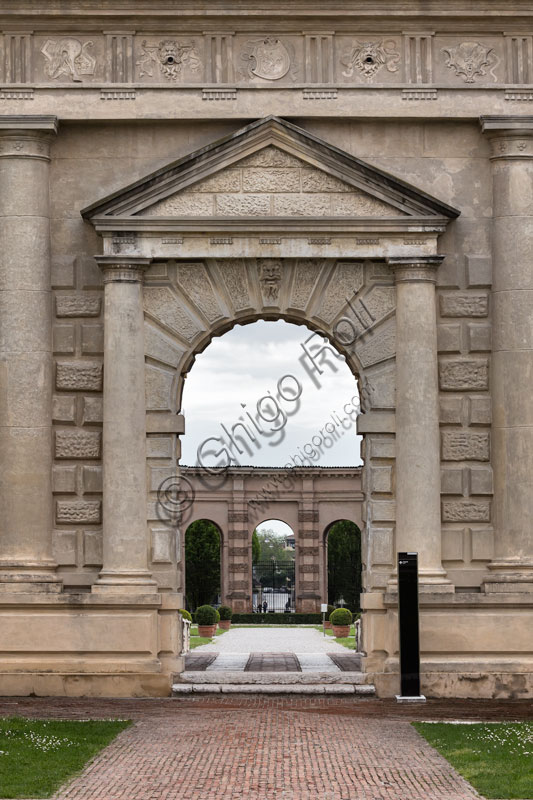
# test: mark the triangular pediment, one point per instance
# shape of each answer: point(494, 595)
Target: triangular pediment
point(270, 168)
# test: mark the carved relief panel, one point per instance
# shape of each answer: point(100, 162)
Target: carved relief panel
point(268, 59)
point(170, 59)
point(467, 61)
point(69, 59)
point(368, 59)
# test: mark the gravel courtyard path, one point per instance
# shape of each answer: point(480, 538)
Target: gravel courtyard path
point(272, 640)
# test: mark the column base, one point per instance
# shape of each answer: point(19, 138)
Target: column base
point(134, 581)
point(29, 576)
point(429, 582)
point(509, 576)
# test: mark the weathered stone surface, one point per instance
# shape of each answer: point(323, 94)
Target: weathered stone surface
point(381, 479)
point(77, 444)
point(64, 340)
point(92, 548)
point(481, 480)
point(480, 411)
point(451, 410)
point(92, 410)
point(92, 339)
point(63, 408)
point(64, 480)
point(449, 338)
point(479, 337)
point(482, 544)
point(451, 481)
point(82, 376)
point(465, 511)
point(460, 376)
point(464, 305)
point(465, 446)
point(65, 548)
point(159, 446)
point(271, 179)
point(91, 480)
point(453, 544)
point(82, 511)
point(478, 271)
point(78, 305)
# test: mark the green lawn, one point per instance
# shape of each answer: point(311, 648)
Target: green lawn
point(196, 640)
point(38, 756)
point(348, 641)
point(496, 758)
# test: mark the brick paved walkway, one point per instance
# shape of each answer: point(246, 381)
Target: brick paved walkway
point(267, 748)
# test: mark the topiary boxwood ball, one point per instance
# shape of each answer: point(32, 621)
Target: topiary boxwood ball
point(225, 612)
point(206, 615)
point(341, 616)
point(185, 614)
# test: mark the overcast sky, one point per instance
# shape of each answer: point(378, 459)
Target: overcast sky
point(261, 369)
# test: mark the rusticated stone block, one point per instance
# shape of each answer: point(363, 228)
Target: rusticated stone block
point(63, 408)
point(308, 551)
point(164, 545)
point(64, 480)
point(238, 516)
point(92, 339)
point(451, 481)
point(482, 544)
point(63, 273)
point(237, 551)
point(461, 376)
point(77, 444)
point(465, 446)
point(481, 480)
point(92, 548)
point(309, 586)
point(466, 511)
point(238, 566)
point(478, 271)
point(92, 410)
point(91, 479)
point(451, 410)
point(449, 338)
point(65, 548)
point(464, 305)
point(82, 511)
point(81, 376)
point(453, 544)
point(381, 479)
point(64, 340)
point(256, 179)
point(77, 305)
point(480, 411)
point(307, 516)
point(236, 585)
point(479, 338)
point(158, 446)
point(311, 569)
point(380, 545)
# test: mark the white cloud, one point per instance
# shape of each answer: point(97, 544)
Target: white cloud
point(238, 371)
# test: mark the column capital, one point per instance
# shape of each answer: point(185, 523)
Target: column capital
point(511, 137)
point(123, 269)
point(415, 269)
point(26, 136)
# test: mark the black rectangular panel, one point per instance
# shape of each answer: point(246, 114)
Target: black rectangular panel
point(409, 625)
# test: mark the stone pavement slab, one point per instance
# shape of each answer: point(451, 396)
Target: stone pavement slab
point(272, 662)
point(272, 640)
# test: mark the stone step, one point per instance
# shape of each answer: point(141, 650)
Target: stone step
point(180, 689)
point(228, 678)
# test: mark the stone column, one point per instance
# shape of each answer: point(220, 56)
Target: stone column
point(26, 510)
point(511, 140)
point(125, 563)
point(418, 527)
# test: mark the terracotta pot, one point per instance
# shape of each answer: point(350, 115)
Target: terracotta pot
point(207, 630)
point(341, 631)
point(224, 624)
point(327, 624)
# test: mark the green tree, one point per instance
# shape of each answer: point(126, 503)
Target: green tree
point(344, 564)
point(272, 545)
point(256, 548)
point(202, 563)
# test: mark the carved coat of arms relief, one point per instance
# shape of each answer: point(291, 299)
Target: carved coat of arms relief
point(170, 57)
point(368, 58)
point(268, 58)
point(68, 58)
point(470, 59)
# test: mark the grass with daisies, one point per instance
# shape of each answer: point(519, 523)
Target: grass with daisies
point(495, 757)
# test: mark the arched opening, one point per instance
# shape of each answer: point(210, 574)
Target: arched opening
point(203, 540)
point(344, 565)
point(269, 403)
point(273, 567)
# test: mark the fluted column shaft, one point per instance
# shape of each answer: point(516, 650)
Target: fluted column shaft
point(418, 526)
point(26, 511)
point(511, 142)
point(125, 561)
